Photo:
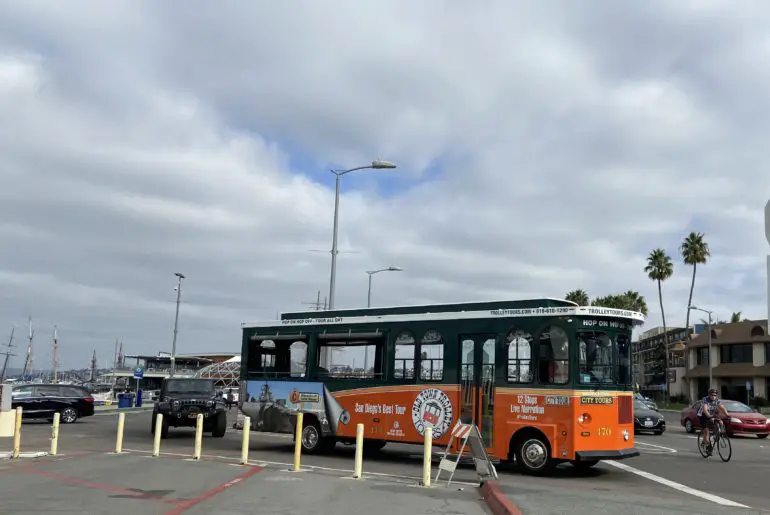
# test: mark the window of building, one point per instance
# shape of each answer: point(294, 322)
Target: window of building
point(702, 356)
point(519, 356)
point(742, 353)
point(404, 360)
point(553, 356)
point(350, 355)
point(767, 355)
point(757, 331)
point(432, 356)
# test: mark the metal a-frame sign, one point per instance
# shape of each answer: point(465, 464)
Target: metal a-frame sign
point(468, 433)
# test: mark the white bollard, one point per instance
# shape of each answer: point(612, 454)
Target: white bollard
point(245, 441)
point(298, 442)
point(198, 436)
point(119, 439)
point(55, 434)
point(359, 460)
point(427, 456)
point(158, 430)
point(17, 434)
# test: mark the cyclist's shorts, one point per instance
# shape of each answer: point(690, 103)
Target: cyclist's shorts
point(705, 422)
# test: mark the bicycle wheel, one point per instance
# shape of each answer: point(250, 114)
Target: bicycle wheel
point(724, 447)
point(703, 452)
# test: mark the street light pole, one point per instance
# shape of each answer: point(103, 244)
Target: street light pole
point(711, 367)
point(369, 302)
point(376, 165)
point(179, 276)
point(371, 273)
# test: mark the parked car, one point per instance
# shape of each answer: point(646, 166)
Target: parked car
point(647, 419)
point(646, 400)
point(41, 401)
point(742, 420)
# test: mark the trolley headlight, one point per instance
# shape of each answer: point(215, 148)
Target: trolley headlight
point(625, 435)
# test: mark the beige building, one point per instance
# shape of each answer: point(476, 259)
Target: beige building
point(740, 357)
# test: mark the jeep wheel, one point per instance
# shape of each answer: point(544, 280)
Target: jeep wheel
point(313, 441)
point(220, 425)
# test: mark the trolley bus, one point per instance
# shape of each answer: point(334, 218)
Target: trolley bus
point(545, 380)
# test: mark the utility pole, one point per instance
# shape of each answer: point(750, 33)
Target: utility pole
point(317, 302)
point(179, 276)
point(8, 354)
point(55, 355)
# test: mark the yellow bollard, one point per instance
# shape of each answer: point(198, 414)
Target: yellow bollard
point(158, 429)
point(17, 434)
point(198, 436)
point(427, 456)
point(359, 460)
point(245, 441)
point(119, 439)
point(55, 434)
point(298, 441)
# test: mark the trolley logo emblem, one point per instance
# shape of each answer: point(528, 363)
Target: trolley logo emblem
point(432, 408)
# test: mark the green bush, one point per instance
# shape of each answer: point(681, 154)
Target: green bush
point(759, 402)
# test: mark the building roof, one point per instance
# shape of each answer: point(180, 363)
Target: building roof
point(749, 331)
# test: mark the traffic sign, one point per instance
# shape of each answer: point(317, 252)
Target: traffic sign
point(138, 372)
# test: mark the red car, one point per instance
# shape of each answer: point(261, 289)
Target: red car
point(742, 419)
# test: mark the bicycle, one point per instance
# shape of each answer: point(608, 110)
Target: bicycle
point(718, 438)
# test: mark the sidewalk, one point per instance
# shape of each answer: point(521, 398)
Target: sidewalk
point(128, 484)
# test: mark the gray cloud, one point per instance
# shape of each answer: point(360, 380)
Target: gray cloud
point(145, 138)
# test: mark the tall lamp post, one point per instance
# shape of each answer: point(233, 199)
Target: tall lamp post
point(369, 300)
point(179, 276)
point(376, 165)
point(711, 378)
point(371, 273)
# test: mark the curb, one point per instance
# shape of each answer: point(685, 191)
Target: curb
point(496, 500)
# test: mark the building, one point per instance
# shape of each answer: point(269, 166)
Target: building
point(740, 357)
point(649, 361)
point(158, 367)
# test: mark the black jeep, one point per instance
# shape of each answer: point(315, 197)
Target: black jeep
point(182, 399)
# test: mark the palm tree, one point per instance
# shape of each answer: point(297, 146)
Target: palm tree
point(579, 297)
point(660, 268)
point(635, 302)
point(735, 318)
point(630, 300)
point(695, 251)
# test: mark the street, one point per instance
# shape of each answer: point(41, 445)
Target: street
point(670, 476)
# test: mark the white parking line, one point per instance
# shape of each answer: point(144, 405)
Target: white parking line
point(289, 465)
point(677, 486)
point(654, 446)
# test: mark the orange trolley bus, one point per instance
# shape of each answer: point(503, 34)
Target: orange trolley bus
point(545, 380)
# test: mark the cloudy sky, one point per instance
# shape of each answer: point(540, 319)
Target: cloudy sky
point(541, 147)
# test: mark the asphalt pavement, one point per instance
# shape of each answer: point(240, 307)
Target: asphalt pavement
point(669, 477)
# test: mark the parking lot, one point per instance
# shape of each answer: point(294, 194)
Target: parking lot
point(669, 477)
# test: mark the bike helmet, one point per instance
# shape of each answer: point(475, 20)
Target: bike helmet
point(712, 390)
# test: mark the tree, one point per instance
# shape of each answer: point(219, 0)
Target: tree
point(630, 300)
point(579, 297)
point(695, 251)
point(660, 268)
point(735, 318)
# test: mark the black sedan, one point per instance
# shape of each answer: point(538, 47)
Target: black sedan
point(647, 419)
point(41, 401)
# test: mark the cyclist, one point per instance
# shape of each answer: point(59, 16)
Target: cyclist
point(709, 408)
